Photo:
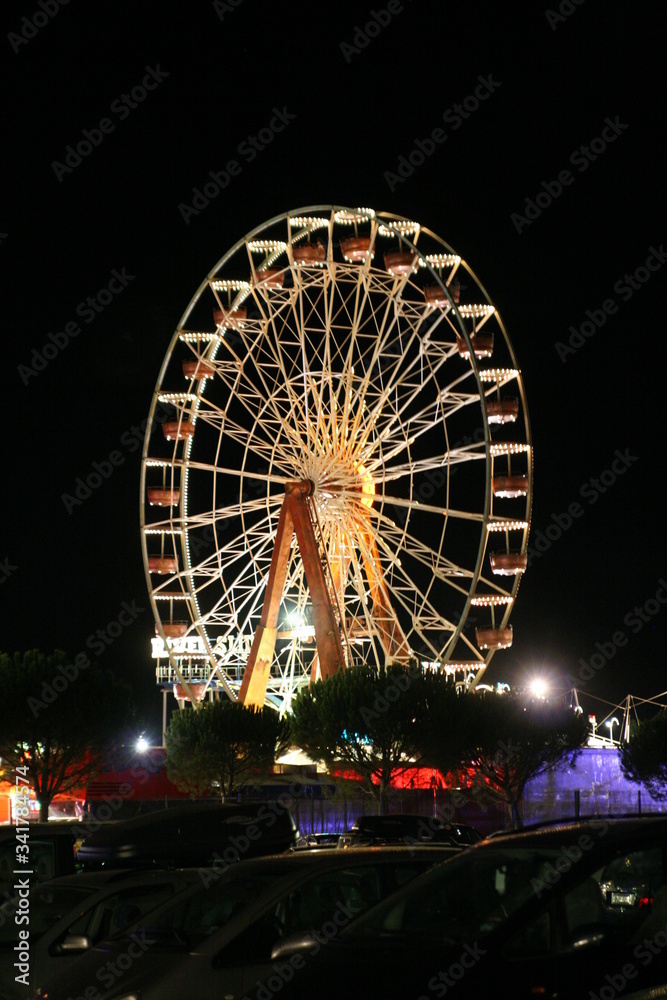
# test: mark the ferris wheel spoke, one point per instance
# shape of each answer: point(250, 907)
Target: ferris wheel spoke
point(421, 614)
point(467, 453)
point(442, 569)
point(443, 406)
point(265, 390)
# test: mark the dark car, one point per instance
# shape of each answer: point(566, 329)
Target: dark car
point(216, 939)
point(407, 829)
point(513, 918)
point(190, 835)
point(59, 919)
point(320, 840)
point(49, 847)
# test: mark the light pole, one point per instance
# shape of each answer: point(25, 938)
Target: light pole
point(611, 723)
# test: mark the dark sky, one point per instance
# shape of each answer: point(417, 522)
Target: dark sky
point(580, 92)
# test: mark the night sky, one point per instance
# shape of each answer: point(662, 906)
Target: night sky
point(547, 183)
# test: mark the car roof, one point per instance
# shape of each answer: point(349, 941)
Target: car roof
point(550, 835)
point(110, 876)
point(321, 857)
point(295, 864)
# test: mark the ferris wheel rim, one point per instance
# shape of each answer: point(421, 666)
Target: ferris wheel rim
point(390, 219)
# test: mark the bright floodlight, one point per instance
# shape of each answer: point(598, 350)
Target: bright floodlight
point(142, 744)
point(538, 687)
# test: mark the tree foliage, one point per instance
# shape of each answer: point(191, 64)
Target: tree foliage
point(222, 746)
point(505, 741)
point(373, 722)
point(644, 757)
point(58, 718)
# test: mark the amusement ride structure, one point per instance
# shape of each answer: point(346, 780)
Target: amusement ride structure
point(337, 467)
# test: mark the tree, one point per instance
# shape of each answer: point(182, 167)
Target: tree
point(223, 745)
point(372, 721)
point(644, 757)
point(58, 718)
point(505, 741)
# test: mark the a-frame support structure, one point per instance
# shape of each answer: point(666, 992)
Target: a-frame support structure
point(296, 515)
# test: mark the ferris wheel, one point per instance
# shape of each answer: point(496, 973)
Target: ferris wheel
point(337, 467)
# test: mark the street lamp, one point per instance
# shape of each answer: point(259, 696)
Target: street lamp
point(539, 688)
point(611, 723)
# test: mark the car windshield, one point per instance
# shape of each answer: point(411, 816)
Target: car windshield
point(468, 896)
point(43, 908)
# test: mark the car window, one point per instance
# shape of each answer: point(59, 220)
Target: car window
point(624, 904)
point(330, 900)
point(324, 904)
point(47, 905)
point(193, 918)
point(344, 893)
point(44, 859)
point(116, 913)
point(471, 895)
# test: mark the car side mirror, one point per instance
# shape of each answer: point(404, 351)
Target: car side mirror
point(73, 943)
point(589, 936)
point(294, 945)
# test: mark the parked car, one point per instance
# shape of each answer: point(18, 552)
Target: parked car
point(409, 830)
point(189, 835)
point(216, 939)
point(309, 840)
point(61, 918)
point(50, 848)
point(531, 914)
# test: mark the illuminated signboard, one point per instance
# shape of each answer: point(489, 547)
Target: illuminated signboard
point(194, 647)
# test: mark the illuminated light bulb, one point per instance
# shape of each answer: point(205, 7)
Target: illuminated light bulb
point(347, 217)
point(190, 336)
point(498, 374)
point(439, 260)
point(225, 285)
point(266, 246)
point(403, 226)
point(509, 449)
point(469, 311)
point(309, 221)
